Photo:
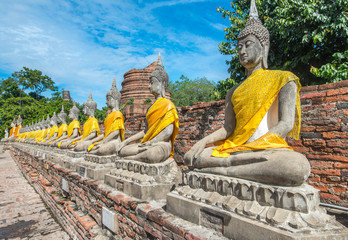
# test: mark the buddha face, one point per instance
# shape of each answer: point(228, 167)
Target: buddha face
point(110, 101)
point(155, 86)
point(250, 51)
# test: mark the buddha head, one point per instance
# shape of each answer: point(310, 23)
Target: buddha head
point(46, 122)
point(54, 120)
point(19, 120)
point(158, 83)
point(89, 106)
point(113, 97)
point(62, 116)
point(253, 41)
point(74, 112)
point(13, 123)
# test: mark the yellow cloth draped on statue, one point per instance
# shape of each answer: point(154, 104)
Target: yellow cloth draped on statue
point(16, 131)
point(251, 101)
point(45, 133)
point(40, 134)
point(160, 115)
point(12, 131)
point(91, 125)
point(114, 121)
point(62, 128)
point(74, 124)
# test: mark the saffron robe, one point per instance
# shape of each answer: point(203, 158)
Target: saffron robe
point(160, 115)
point(251, 101)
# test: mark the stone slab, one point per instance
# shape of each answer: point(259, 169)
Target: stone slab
point(235, 226)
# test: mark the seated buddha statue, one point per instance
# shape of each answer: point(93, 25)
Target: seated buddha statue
point(53, 131)
point(19, 126)
point(74, 129)
point(259, 113)
point(106, 143)
point(90, 127)
point(161, 127)
point(46, 130)
point(63, 128)
point(5, 136)
point(12, 130)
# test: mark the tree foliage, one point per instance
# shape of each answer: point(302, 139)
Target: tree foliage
point(307, 37)
point(185, 91)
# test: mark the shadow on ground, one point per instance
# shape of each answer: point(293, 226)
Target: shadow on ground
point(19, 229)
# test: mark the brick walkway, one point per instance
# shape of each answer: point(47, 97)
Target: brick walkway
point(23, 215)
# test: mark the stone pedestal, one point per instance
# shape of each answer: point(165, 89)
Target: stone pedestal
point(242, 209)
point(142, 180)
point(95, 167)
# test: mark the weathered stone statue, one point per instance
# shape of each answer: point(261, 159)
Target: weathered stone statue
point(260, 112)
point(6, 133)
point(19, 126)
point(162, 125)
point(12, 130)
point(252, 185)
point(106, 143)
point(63, 128)
point(46, 129)
point(54, 129)
point(73, 129)
point(90, 127)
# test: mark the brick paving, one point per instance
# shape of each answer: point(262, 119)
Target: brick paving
point(23, 214)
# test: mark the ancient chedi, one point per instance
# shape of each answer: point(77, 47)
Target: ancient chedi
point(135, 85)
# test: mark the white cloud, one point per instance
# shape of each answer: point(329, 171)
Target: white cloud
point(82, 45)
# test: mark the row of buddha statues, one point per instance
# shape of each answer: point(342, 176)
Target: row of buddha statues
point(259, 113)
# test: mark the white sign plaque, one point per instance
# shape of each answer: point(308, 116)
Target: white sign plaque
point(109, 220)
point(43, 155)
point(65, 186)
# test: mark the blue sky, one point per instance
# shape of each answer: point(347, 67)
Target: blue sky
point(83, 44)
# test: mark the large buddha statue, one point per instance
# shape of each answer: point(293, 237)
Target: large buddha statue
point(63, 128)
point(162, 125)
point(106, 143)
point(74, 130)
point(260, 112)
point(90, 127)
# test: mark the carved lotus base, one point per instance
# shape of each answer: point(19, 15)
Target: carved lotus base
point(243, 209)
point(95, 167)
point(143, 180)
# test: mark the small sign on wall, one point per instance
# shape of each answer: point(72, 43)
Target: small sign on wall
point(82, 171)
point(65, 185)
point(109, 220)
point(43, 155)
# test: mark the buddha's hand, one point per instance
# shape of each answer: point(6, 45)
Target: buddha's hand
point(194, 153)
point(144, 146)
point(120, 146)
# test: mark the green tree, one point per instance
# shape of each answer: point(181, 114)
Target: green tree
point(185, 91)
point(308, 37)
point(34, 80)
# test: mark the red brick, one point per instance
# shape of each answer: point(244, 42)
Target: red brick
point(341, 165)
point(312, 95)
point(335, 143)
point(329, 196)
point(333, 172)
point(322, 188)
point(314, 179)
point(314, 143)
point(152, 231)
point(328, 157)
point(340, 91)
point(328, 128)
point(308, 89)
point(175, 229)
point(340, 84)
point(340, 189)
point(337, 98)
point(334, 135)
point(321, 164)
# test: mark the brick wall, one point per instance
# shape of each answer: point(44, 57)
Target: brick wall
point(79, 210)
point(323, 139)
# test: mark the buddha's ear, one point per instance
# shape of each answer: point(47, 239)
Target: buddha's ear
point(265, 50)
